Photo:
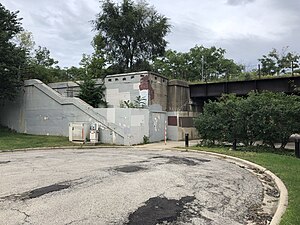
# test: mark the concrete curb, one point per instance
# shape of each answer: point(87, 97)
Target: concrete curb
point(283, 200)
point(62, 147)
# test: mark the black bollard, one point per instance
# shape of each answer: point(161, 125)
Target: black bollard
point(234, 144)
point(186, 140)
point(297, 148)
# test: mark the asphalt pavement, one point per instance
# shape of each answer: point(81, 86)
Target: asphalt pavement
point(144, 185)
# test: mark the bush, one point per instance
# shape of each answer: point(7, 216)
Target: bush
point(268, 117)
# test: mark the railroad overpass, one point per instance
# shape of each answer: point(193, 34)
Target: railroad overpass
point(199, 93)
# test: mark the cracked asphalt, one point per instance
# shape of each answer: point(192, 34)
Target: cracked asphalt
point(127, 187)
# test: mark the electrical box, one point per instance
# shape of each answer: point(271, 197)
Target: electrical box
point(79, 131)
point(94, 133)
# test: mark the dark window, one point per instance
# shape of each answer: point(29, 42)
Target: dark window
point(116, 79)
point(124, 78)
point(186, 122)
point(132, 77)
point(172, 120)
point(109, 80)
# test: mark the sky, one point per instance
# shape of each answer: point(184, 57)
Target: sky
point(247, 29)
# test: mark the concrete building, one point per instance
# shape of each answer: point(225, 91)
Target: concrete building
point(48, 109)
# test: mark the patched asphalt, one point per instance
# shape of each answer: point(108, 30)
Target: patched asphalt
point(130, 187)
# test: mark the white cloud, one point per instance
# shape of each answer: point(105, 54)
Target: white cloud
point(245, 28)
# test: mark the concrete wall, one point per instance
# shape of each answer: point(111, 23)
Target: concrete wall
point(123, 87)
point(40, 110)
point(128, 86)
point(181, 124)
point(67, 89)
point(179, 96)
point(134, 122)
point(137, 123)
point(157, 123)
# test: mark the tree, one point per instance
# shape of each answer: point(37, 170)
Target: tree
point(43, 67)
point(173, 64)
point(25, 41)
point(39, 64)
point(199, 63)
point(133, 34)
point(42, 57)
point(92, 93)
point(279, 63)
point(93, 65)
point(12, 58)
point(75, 73)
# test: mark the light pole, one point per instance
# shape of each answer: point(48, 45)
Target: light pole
point(202, 67)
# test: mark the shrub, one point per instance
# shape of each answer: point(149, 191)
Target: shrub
point(268, 117)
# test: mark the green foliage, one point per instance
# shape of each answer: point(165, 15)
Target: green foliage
point(146, 140)
point(199, 63)
point(139, 102)
point(42, 57)
point(92, 93)
point(12, 58)
point(42, 66)
point(25, 41)
point(268, 117)
point(279, 63)
point(39, 64)
point(92, 65)
point(75, 73)
point(132, 34)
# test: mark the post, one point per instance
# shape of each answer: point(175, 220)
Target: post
point(186, 140)
point(292, 68)
point(297, 148)
point(234, 144)
point(202, 68)
point(165, 132)
point(259, 71)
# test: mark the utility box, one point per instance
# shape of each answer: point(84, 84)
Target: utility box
point(94, 133)
point(79, 131)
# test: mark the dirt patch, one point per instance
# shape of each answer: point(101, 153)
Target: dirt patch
point(159, 210)
point(130, 169)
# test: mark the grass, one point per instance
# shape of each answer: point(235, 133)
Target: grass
point(284, 164)
point(10, 140)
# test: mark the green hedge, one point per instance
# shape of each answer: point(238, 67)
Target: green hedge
point(268, 117)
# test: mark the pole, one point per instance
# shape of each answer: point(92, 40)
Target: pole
point(165, 132)
point(259, 71)
point(297, 148)
point(292, 68)
point(186, 140)
point(202, 69)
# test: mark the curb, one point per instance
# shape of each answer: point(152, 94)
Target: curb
point(63, 147)
point(283, 200)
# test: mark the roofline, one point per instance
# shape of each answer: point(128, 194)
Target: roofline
point(136, 73)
